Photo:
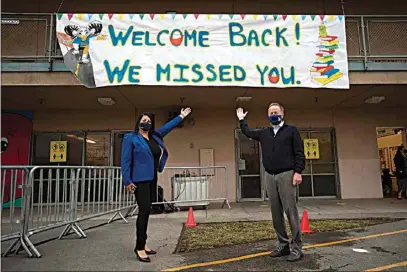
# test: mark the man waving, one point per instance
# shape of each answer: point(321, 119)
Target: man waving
point(284, 161)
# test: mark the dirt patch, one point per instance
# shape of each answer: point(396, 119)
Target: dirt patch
point(214, 235)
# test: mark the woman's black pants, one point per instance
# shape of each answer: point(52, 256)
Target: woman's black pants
point(144, 198)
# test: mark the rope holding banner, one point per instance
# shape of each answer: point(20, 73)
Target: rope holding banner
point(343, 8)
point(60, 5)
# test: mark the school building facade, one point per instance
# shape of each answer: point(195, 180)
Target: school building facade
point(357, 129)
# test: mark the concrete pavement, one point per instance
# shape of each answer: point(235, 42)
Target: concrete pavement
point(110, 247)
point(317, 209)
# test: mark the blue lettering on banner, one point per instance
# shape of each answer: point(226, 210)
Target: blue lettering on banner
point(133, 72)
point(197, 73)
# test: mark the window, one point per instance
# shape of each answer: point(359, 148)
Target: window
point(97, 148)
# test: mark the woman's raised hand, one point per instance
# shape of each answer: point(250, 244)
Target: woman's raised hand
point(185, 112)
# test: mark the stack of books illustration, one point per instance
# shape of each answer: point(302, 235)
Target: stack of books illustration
point(323, 70)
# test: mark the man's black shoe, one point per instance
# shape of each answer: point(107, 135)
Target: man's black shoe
point(280, 252)
point(295, 255)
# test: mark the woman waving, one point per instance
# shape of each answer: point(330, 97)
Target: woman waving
point(143, 155)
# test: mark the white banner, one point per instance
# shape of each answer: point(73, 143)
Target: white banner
point(205, 50)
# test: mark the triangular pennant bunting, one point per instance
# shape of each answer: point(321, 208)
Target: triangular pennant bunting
point(331, 17)
point(80, 16)
point(303, 17)
point(131, 16)
point(152, 16)
point(242, 15)
point(284, 17)
point(141, 16)
point(90, 16)
point(313, 17)
point(196, 16)
point(275, 17)
point(255, 17)
point(162, 16)
point(70, 15)
point(173, 16)
point(265, 17)
point(340, 17)
point(220, 16)
point(322, 17)
point(110, 15)
point(59, 16)
point(101, 16)
point(185, 15)
point(231, 16)
point(295, 17)
point(208, 16)
point(121, 16)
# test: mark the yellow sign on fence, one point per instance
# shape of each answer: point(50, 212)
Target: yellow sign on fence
point(58, 151)
point(311, 149)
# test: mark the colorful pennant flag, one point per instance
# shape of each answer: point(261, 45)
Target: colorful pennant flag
point(121, 16)
point(185, 15)
point(275, 17)
point(322, 17)
point(131, 16)
point(59, 16)
point(331, 17)
point(162, 16)
point(231, 16)
point(242, 15)
point(173, 16)
point(152, 16)
point(340, 17)
point(101, 16)
point(265, 17)
point(220, 16)
point(284, 17)
point(70, 15)
point(255, 16)
point(196, 16)
point(80, 16)
point(208, 16)
point(110, 15)
point(313, 17)
point(90, 16)
point(141, 16)
point(294, 17)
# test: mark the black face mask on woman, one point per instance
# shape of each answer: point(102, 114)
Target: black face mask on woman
point(146, 126)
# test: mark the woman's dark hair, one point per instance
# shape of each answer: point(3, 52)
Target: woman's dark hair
point(152, 118)
point(399, 149)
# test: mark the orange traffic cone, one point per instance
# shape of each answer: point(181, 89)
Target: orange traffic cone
point(190, 220)
point(305, 223)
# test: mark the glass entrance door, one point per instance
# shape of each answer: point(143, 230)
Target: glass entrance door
point(248, 160)
point(320, 177)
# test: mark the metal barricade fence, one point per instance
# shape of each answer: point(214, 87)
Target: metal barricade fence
point(63, 196)
point(13, 178)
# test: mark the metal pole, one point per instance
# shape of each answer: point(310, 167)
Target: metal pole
point(50, 43)
point(364, 41)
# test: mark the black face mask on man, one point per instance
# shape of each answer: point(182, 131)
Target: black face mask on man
point(145, 126)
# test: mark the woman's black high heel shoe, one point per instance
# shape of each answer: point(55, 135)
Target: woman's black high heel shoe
point(144, 260)
point(151, 252)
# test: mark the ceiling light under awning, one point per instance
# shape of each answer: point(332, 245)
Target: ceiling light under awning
point(243, 99)
point(374, 99)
